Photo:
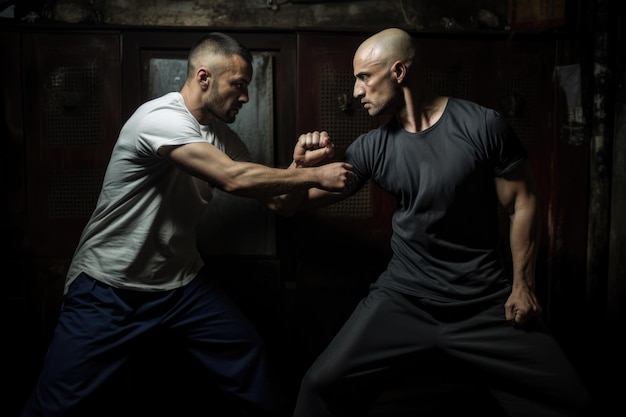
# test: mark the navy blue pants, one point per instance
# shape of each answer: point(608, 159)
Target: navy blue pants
point(99, 326)
point(524, 369)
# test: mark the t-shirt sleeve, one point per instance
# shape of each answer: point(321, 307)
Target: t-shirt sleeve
point(506, 149)
point(166, 127)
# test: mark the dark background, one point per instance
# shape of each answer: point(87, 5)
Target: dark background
point(73, 71)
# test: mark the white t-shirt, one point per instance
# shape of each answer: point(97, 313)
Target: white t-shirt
point(142, 233)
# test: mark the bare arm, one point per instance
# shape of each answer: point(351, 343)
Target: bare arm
point(516, 192)
point(248, 179)
point(311, 149)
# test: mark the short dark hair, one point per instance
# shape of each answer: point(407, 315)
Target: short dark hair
point(216, 43)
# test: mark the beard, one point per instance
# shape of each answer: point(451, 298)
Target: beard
point(218, 107)
point(389, 107)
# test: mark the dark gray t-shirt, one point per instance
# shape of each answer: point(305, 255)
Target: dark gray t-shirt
point(446, 237)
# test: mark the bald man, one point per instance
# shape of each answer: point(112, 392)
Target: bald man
point(446, 292)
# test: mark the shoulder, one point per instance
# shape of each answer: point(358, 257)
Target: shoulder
point(160, 112)
point(469, 113)
point(162, 121)
point(464, 107)
point(171, 101)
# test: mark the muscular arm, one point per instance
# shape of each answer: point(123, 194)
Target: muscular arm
point(311, 149)
point(249, 179)
point(516, 192)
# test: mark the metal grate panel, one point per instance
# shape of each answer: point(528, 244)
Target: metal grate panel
point(72, 110)
point(518, 94)
point(344, 119)
point(73, 194)
point(449, 82)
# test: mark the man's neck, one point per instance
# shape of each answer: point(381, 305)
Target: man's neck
point(421, 114)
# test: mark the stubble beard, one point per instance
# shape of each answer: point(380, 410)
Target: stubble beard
point(215, 105)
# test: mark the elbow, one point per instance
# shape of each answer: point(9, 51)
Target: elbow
point(287, 205)
point(283, 212)
point(279, 206)
point(229, 188)
point(235, 187)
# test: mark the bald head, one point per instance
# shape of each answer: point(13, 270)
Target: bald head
point(383, 79)
point(388, 46)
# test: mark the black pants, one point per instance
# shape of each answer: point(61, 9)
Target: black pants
point(524, 369)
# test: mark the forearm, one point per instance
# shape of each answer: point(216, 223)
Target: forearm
point(302, 199)
point(524, 235)
point(248, 179)
point(261, 182)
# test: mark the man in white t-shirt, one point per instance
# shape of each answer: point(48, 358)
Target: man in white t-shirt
point(136, 268)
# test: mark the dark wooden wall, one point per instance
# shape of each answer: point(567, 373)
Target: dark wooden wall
point(68, 89)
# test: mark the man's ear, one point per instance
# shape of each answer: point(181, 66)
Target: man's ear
point(203, 77)
point(399, 70)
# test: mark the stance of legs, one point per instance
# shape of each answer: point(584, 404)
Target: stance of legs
point(99, 326)
point(524, 369)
